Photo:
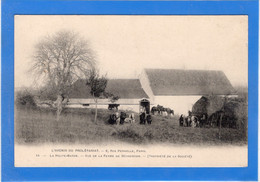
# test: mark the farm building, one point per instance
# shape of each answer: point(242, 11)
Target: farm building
point(208, 105)
point(129, 90)
point(213, 106)
point(180, 89)
point(176, 89)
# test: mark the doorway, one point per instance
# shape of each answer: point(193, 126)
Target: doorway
point(144, 106)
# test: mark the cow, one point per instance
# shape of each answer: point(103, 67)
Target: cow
point(130, 119)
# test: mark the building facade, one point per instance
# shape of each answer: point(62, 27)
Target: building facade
point(172, 88)
point(130, 94)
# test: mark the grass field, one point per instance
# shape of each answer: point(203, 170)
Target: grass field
point(35, 126)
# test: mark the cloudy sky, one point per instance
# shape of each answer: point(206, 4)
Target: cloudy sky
point(126, 44)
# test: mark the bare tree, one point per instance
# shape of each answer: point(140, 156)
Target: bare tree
point(60, 60)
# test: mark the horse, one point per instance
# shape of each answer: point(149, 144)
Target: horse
point(154, 110)
point(164, 113)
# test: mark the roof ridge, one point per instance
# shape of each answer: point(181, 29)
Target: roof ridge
point(179, 69)
point(113, 79)
point(191, 82)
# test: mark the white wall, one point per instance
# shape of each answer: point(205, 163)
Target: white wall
point(146, 85)
point(125, 104)
point(104, 101)
point(126, 107)
point(180, 104)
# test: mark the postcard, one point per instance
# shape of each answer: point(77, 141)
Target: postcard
point(131, 91)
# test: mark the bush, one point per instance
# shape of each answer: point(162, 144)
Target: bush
point(25, 98)
point(149, 135)
point(128, 135)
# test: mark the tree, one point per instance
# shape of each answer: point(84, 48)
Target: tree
point(61, 59)
point(112, 98)
point(97, 85)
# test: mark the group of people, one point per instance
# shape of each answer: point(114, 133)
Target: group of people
point(121, 118)
point(189, 121)
point(145, 116)
point(193, 121)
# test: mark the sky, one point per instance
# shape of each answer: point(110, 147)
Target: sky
point(125, 45)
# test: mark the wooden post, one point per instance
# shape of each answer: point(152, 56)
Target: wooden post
point(96, 111)
point(59, 106)
point(221, 116)
point(95, 100)
point(220, 121)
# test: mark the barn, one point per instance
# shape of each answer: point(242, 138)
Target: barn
point(180, 89)
point(173, 88)
point(129, 90)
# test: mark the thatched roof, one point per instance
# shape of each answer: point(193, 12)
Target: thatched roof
point(208, 105)
point(188, 82)
point(201, 106)
point(232, 107)
point(124, 88)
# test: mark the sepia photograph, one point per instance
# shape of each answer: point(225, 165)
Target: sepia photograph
point(131, 91)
